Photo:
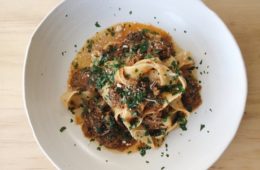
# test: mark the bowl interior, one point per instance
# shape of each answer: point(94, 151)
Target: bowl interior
point(193, 27)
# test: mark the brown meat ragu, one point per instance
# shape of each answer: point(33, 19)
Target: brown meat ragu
point(99, 124)
point(191, 98)
point(98, 120)
point(159, 46)
point(80, 80)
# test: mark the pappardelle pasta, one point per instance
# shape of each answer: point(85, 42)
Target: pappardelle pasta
point(130, 85)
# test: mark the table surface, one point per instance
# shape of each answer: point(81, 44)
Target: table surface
point(18, 20)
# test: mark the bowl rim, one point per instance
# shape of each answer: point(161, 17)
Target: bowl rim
point(217, 19)
point(25, 102)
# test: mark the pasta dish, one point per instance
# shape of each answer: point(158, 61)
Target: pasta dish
point(130, 86)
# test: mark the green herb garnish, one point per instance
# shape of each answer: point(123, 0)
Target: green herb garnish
point(144, 31)
point(143, 150)
point(162, 154)
point(148, 56)
point(62, 128)
point(202, 126)
point(172, 88)
point(134, 100)
point(144, 46)
point(182, 121)
point(97, 24)
point(100, 77)
point(175, 66)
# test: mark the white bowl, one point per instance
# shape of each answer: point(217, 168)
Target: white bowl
point(193, 26)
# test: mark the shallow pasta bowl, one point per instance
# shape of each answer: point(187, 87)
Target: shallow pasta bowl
point(193, 26)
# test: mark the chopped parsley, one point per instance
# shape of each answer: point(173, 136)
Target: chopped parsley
point(144, 31)
point(144, 46)
point(202, 126)
point(162, 154)
point(103, 59)
point(147, 162)
point(143, 150)
point(130, 12)
point(100, 76)
point(71, 120)
point(156, 51)
point(175, 67)
point(164, 119)
point(63, 53)
point(62, 129)
point(172, 88)
point(182, 121)
point(97, 24)
point(162, 168)
point(134, 100)
point(148, 56)
point(99, 148)
point(131, 98)
point(166, 147)
point(200, 62)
